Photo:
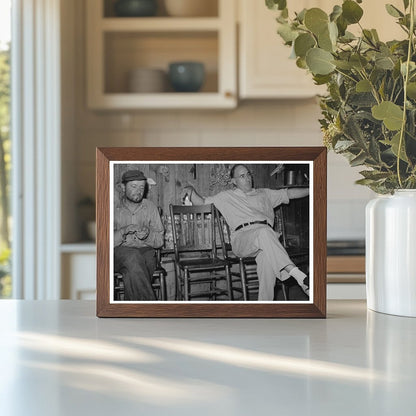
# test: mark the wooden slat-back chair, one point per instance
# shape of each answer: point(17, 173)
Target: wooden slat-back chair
point(196, 258)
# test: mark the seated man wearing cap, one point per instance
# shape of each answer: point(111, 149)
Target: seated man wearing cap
point(250, 216)
point(138, 230)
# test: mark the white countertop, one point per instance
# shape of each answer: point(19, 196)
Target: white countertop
point(57, 358)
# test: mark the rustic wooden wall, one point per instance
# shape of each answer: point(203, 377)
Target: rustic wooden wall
point(207, 179)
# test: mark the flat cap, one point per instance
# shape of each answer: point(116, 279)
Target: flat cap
point(133, 175)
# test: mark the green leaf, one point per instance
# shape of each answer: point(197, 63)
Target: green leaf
point(276, 4)
point(301, 63)
point(336, 12)
point(377, 75)
point(391, 114)
point(384, 62)
point(347, 37)
point(396, 70)
point(343, 145)
point(375, 35)
point(301, 15)
point(412, 67)
point(342, 25)
point(303, 43)
point(393, 11)
point(319, 61)
point(316, 20)
point(358, 61)
point(411, 90)
point(362, 99)
point(368, 36)
point(353, 130)
point(365, 182)
point(333, 32)
point(321, 79)
point(363, 86)
point(406, 4)
point(287, 33)
point(281, 19)
point(381, 89)
point(325, 42)
point(351, 11)
point(394, 143)
point(374, 150)
point(374, 174)
point(359, 160)
point(411, 124)
point(344, 65)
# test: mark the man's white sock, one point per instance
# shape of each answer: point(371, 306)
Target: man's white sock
point(298, 275)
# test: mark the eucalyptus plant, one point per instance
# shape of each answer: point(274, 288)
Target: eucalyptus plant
point(369, 111)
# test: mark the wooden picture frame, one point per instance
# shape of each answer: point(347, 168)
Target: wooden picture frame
point(262, 158)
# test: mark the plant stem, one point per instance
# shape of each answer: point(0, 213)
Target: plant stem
point(373, 88)
point(346, 75)
point(405, 81)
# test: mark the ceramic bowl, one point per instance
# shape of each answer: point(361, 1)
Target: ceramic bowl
point(135, 8)
point(147, 80)
point(186, 76)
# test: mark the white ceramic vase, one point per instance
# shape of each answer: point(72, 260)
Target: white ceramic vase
point(391, 253)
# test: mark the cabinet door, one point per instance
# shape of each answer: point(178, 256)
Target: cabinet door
point(78, 276)
point(265, 69)
point(264, 66)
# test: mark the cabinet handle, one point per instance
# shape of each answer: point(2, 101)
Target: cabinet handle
point(229, 94)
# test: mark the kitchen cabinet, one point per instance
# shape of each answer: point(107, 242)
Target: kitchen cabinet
point(118, 45)
point(265, 70)
point(78, 264)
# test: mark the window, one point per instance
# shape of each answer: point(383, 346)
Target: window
point(5, 148)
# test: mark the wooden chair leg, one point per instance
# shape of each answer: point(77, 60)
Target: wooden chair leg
point(178, 285)
point(284, 291)
point(243, 280)
point(186, 284)
point(229, 284)
point(163, 286)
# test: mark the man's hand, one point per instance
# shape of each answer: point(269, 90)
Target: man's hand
point(296, 193)
point(194, 197)
point(143, 233)
point(140, 232)
point(187, 190)
point(131, 229)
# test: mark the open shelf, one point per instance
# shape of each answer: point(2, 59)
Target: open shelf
point(118, 45)
point(126, 51)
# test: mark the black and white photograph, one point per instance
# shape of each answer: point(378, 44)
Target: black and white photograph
point(226, 231)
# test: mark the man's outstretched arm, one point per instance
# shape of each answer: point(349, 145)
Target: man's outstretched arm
point(296, 193)
point(193, 195)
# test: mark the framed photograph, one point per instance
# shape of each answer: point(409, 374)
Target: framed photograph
point(211, 232)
